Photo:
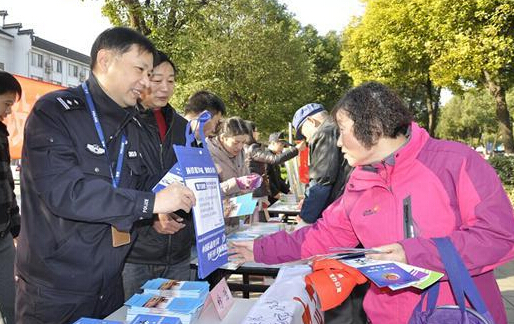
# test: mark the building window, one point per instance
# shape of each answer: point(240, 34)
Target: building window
point(56, 82)
point(73, 70)
point(2, 67)
point(35, 77)
point(57, 66)
point(37, 60)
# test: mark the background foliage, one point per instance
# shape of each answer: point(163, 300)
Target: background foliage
point(252, 53)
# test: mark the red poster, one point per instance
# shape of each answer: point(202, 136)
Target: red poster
point(32, 91)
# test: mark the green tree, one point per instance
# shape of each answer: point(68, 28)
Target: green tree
point(469, 118)
point(473, 41)
point(389, 44)
point(329, 81)
point(246, 51)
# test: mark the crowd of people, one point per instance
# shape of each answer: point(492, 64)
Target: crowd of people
point(92, 232)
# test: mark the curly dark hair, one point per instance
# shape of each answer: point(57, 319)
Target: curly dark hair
point(376, 111)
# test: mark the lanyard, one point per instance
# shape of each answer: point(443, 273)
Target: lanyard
point(91, 105)
point(204, 117)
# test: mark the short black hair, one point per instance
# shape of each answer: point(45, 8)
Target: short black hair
point(161, 57)
point(376, 111)
point(204, 100)
point(120, 39)
point(252, 127)
point(8, 83)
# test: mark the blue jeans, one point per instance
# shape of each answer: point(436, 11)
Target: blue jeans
point(135, 275)
point(7, 279)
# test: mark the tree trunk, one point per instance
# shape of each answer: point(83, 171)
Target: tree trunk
point(432, 102)
point(502, 113)
point(136, 17)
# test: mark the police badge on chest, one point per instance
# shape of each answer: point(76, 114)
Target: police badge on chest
point(95, 149)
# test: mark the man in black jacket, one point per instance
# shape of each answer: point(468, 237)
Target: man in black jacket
point(200, 102)
point(313, 123)
point(10, 91)
point(159, 252)
point(81, 165)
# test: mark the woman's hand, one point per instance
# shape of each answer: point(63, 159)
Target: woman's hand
point(241, 251)
point(392, 252)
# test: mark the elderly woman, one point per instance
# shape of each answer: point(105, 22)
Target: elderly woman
point(451, 190)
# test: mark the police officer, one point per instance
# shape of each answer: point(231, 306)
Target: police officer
point(81, 164)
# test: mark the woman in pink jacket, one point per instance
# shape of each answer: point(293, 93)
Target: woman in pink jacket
point(406, 188)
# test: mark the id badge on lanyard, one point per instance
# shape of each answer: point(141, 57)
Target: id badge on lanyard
point(119, 238)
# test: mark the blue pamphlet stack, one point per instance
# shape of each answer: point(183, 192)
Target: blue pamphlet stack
point(87, 320)
point(155, 319)
point(173, 288)
point(168, 297)
point(139, 319)
point(187, 309)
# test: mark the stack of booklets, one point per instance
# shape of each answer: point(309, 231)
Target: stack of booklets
point(139, 319)
point(173, 288)
point(155, 319)
point(187, 309)
point(168, 297)
point(87, 320)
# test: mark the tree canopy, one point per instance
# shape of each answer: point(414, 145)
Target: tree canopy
point(389, 44)
point(428, 44)
point(252, 53)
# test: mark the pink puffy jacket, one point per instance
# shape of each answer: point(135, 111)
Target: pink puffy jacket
point(453, 192)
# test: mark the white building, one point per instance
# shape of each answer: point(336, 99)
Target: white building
point(30, 56)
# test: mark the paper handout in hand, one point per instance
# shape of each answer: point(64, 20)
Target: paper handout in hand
point(395, 275)
point(239, 206)
point(387, 274)
point(173, 175)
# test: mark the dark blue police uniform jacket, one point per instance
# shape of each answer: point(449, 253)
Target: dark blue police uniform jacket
point(68, 200)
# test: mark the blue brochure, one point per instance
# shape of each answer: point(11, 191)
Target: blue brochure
point(200, 175)
point(87, 320)
point(174, 288)
point(155, 319)
point(148, 303)
point(387, 274)
point(240, 205)
point(173, 175)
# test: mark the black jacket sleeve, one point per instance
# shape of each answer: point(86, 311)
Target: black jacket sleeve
point(325, 156)
point(259, 154)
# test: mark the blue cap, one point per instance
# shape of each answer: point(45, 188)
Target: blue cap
point(301, 115)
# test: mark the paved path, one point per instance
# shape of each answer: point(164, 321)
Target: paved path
point(505, 278)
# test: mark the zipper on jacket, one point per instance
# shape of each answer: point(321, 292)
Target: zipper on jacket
point(160, 155)
point(168, 251)
point(408, 223)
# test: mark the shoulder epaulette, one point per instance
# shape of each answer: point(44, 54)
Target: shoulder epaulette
point(70, 102)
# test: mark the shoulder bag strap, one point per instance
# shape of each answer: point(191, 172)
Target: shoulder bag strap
point(458, 273)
